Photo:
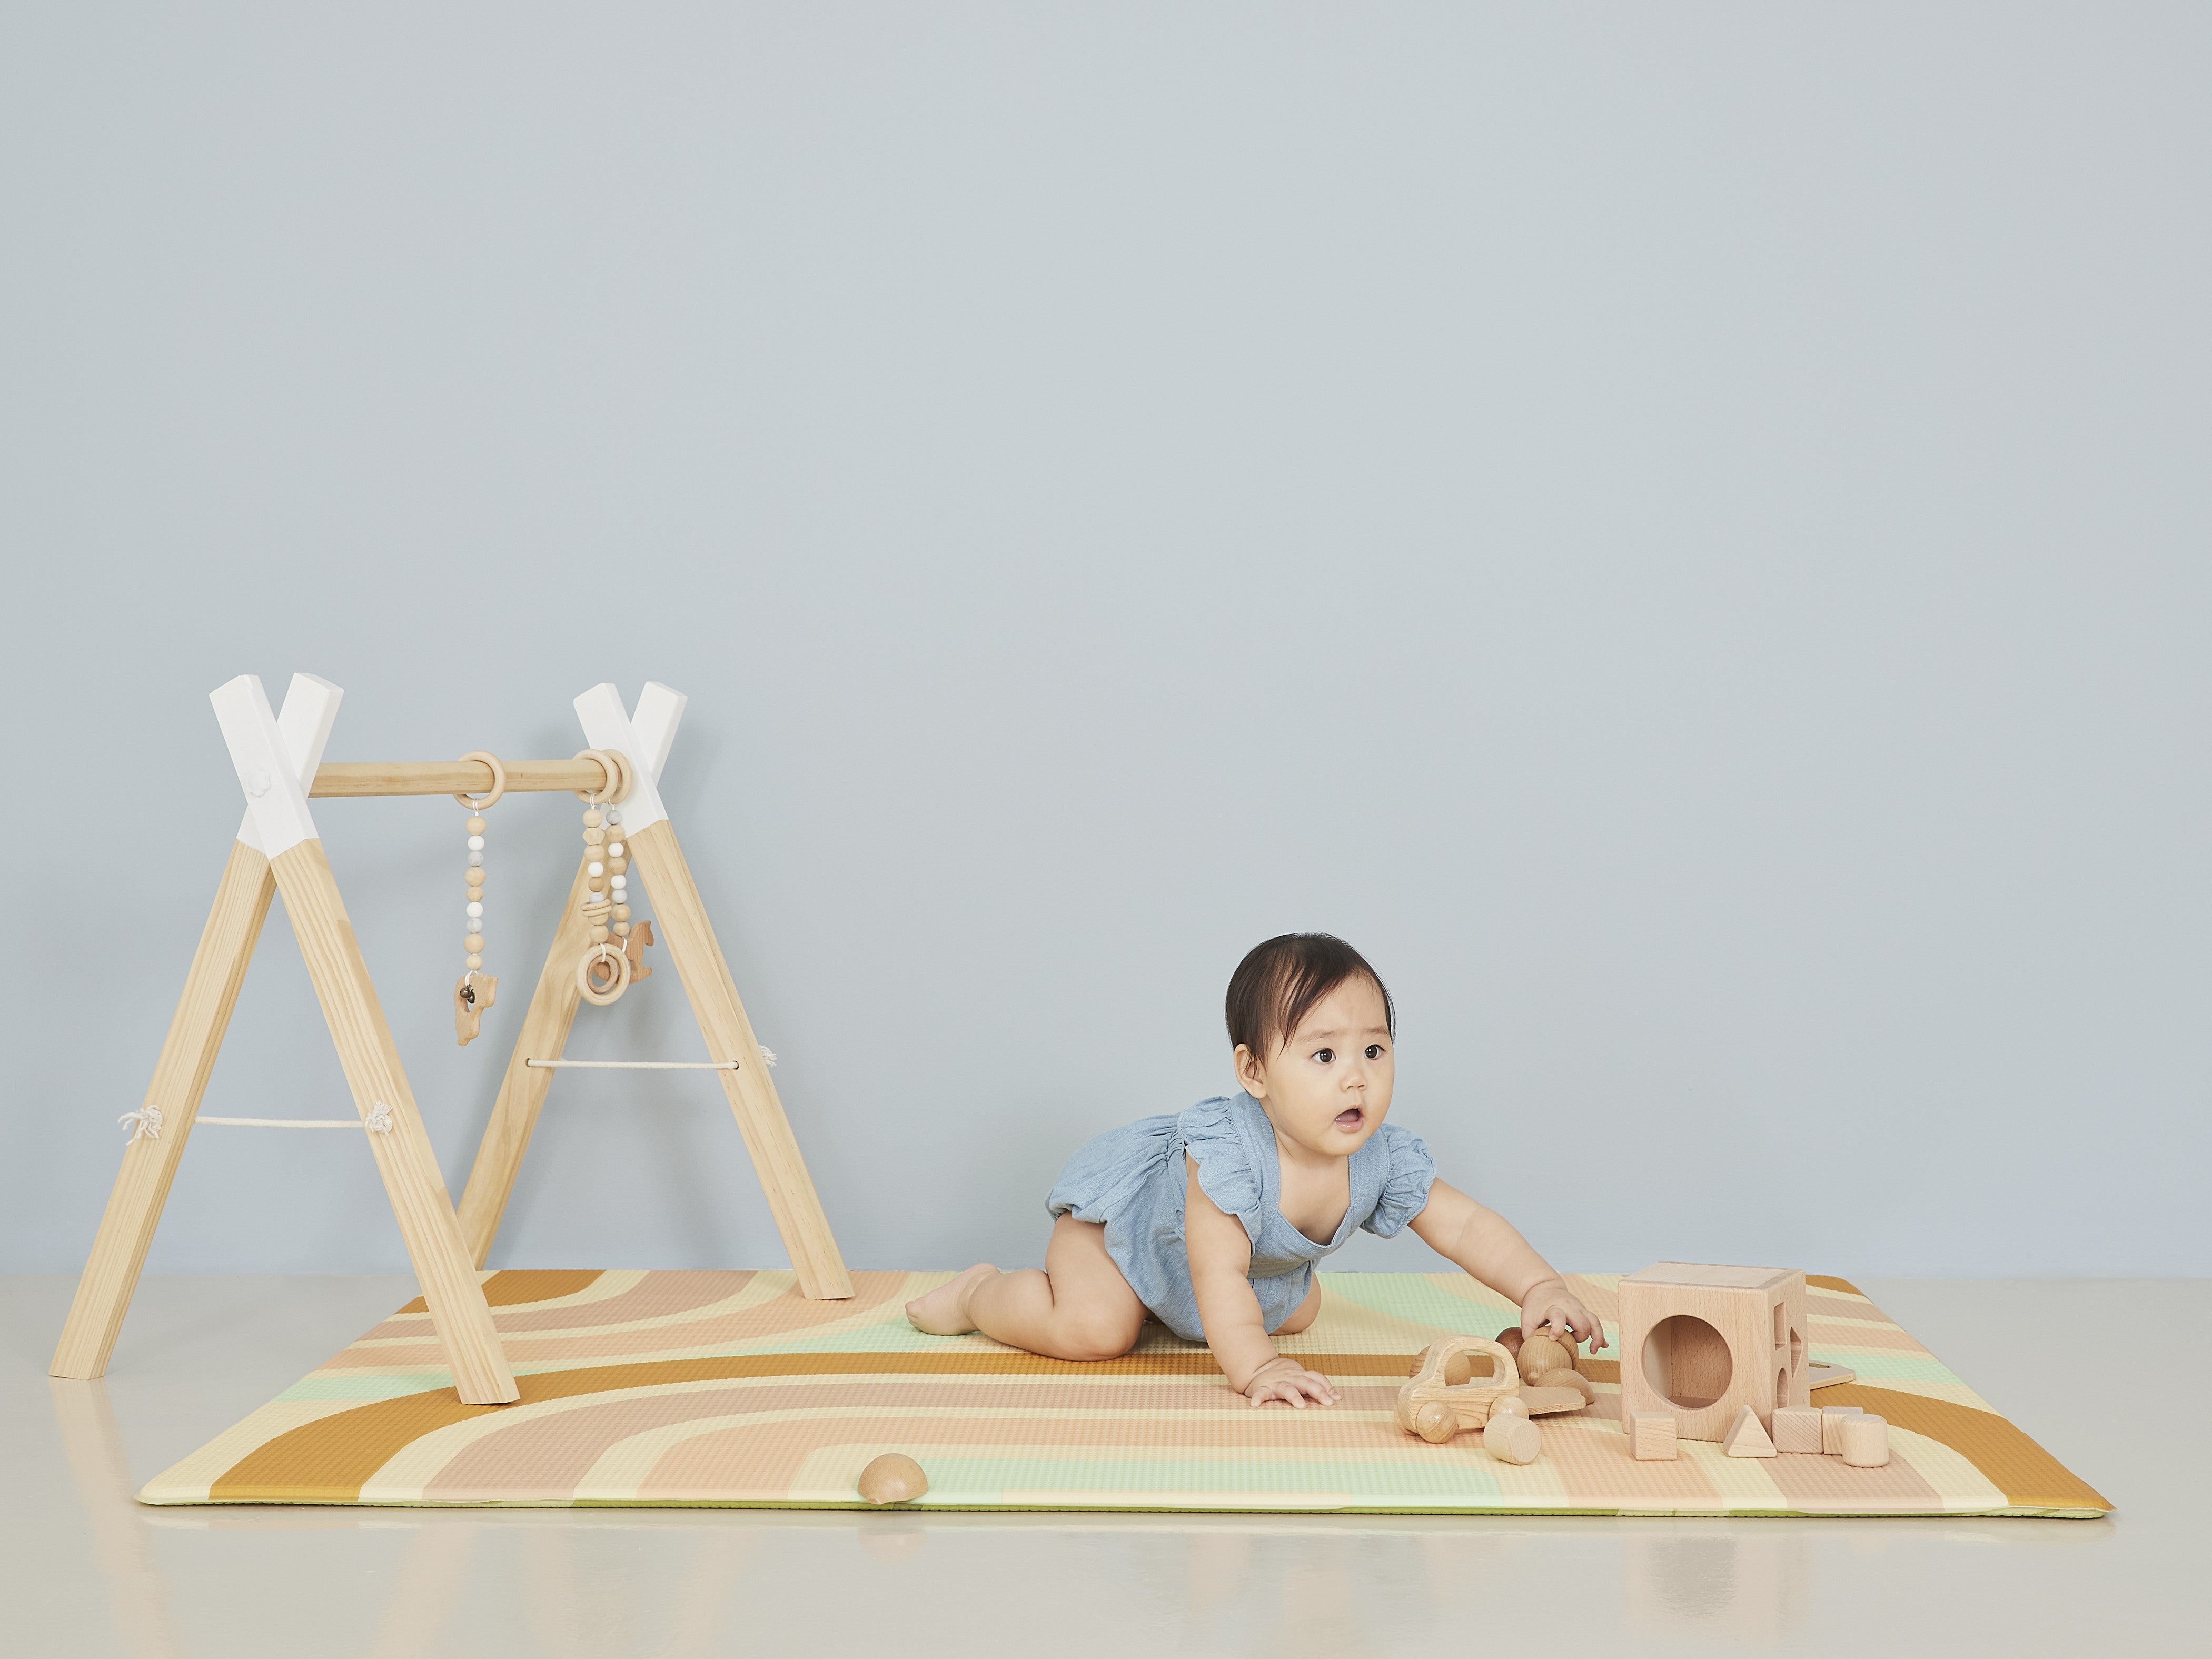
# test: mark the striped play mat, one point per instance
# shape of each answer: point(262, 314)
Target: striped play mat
point(727, 1387)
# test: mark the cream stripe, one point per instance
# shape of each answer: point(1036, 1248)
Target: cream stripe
point(403, 1478)
point(190, 1481)
point(1739, 1483)
point(1959, 1484)
point(753, 1296)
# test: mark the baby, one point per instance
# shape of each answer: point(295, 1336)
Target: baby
point(1212, 1221)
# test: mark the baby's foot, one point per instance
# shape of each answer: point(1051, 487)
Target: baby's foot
point(944, 1311)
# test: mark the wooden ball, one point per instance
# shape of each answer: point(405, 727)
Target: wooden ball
point(1512, 1439)
point(616, 866)
point(893, 1477)
point(1511, 1405)
point(1510, 1339)
point(621, 930)
point(476, 826)
point(1436, 1423)
point(476, 876)
point(1540, 1354)
point(473, 942)
point(592, 819)
point(474, 960)
point(622, 913)
point(598, 935)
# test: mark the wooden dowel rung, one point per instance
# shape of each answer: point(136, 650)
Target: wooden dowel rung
point(453, 777)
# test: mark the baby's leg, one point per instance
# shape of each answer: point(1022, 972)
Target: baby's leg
point(1078, 1308)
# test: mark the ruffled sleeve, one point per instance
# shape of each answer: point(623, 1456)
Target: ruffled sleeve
point(1211, 1134)
point(1405, 1182)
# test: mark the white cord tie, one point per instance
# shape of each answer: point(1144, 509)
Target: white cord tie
point(767, 1052)
point(380, 1119)
point(145, 1123)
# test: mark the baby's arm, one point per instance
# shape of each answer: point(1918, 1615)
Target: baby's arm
point(1485, 1244)
point(1220, 1276)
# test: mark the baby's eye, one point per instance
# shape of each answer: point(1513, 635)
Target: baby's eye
point(1325, 1056)
point(1374, 1051)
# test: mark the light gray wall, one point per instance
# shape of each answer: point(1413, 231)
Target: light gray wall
point(1682, 532)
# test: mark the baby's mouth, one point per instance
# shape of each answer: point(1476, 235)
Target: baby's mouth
point(1350, 1119)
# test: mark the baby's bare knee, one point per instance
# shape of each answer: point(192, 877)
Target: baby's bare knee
point(1102, 1336)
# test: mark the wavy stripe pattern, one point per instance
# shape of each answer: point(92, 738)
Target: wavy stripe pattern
point(704, 1388)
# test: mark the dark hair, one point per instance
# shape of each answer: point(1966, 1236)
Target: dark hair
point(1279, 982)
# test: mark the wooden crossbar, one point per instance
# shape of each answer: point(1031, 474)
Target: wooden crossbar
point(527, 777)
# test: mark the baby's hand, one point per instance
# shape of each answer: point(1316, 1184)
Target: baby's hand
point(1287, 1380)
point(1551, 1303)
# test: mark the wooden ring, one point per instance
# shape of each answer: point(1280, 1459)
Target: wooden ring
point(618, 983)
point(628, 780)
point(498, 781)
point(597, 797)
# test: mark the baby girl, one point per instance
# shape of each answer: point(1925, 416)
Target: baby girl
point(1211, 1222)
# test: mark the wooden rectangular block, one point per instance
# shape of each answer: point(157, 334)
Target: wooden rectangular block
point(1702, 1342)
point(1797, 1429)
point(1652, 1437)
point(1832, 1427)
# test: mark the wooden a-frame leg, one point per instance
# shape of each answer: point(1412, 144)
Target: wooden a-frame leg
point(180, 1078)
point(680, 923)
point(522, 1090)
point(371, 1061)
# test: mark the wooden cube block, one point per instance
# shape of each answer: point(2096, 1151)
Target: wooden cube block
point(1832, 1427)
point(1865, 1441)
point(1701, 1343)
point(1797, 1429)
point(1652, 1437)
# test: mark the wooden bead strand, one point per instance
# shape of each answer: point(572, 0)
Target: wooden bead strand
point(476, 989)
point(603, 973)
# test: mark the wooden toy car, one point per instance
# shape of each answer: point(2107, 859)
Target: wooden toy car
point(1435, 1408)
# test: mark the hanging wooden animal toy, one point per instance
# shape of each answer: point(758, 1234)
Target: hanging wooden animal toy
point(475, 990)
point(614, 954)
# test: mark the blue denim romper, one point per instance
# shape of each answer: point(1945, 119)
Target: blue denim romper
point(1133, 1181)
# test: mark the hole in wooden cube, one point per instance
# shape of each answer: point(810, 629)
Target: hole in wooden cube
point(1687, 1361)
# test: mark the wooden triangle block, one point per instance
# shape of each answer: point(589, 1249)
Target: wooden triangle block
point(1745, 1438)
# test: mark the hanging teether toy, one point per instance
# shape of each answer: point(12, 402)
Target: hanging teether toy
point(604, 971)
point(475, 990)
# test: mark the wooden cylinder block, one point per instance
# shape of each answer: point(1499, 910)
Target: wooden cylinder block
point(1511, 1438)
point(1865, 1441)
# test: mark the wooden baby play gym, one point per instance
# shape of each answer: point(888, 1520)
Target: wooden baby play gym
point(596, 953)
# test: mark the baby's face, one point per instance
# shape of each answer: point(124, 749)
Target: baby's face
point(1329, 1087)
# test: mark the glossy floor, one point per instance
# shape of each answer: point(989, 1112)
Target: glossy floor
point(85, 1572)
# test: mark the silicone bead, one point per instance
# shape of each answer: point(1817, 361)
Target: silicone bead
point(475, 844)
point(475, 910)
